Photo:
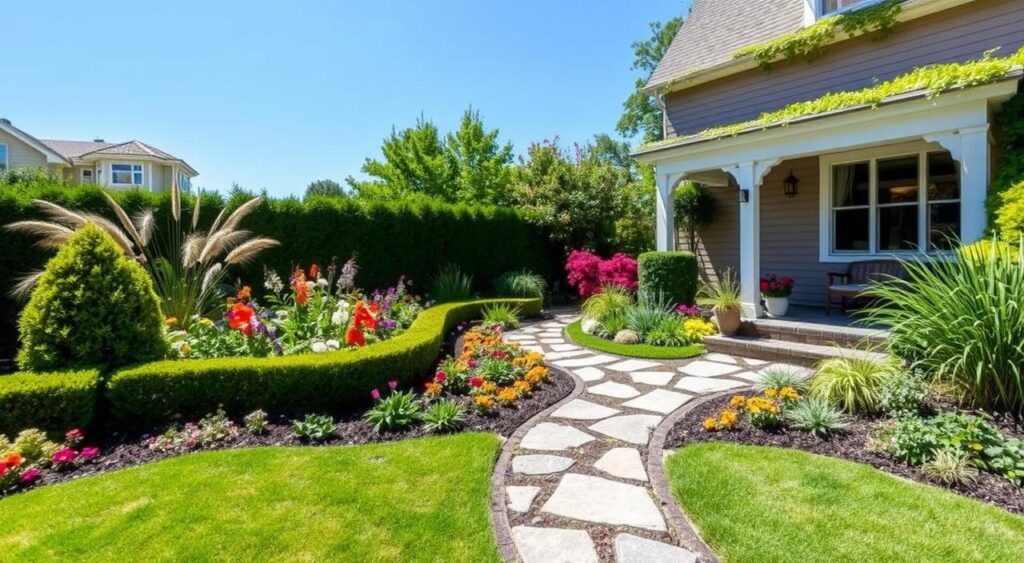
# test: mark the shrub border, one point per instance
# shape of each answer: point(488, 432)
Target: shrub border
point(53, 402)
point(576, 334)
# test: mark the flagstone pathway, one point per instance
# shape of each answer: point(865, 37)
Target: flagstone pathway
point(577, 488)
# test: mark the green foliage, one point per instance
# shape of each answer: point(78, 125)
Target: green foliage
point(812, 41)
point(722, 294)
point(612, 324)
point(1010, 215)
point(777, 377)
point(611, 301)
point(648, 314)
point(575, 332)
point(313, 428)
point(324, 188)
point(640, 112)
point(903, 394)
point(952, 467)
point(521, 283)
point(153, 393)
point(445, 415)
point(92, 306)
point(694, 209)
point(502, 314)
point(256, 421)
point(397, 411)
point(483, 163)
point(816, 416)
point(852, 382)
point(450, 284)
point(54, 402)
point(672, 275)
point(962, 321)
point(33, 445)
point(1005, 200)
point(668, 332)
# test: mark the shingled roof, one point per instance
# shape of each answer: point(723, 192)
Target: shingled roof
point(715, 29)
point(78, 149)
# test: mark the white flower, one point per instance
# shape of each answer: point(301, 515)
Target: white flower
point(590, 326)
point(311, 285)
point(282, 314)
point(339, 317)
point(322, 282)
point(333, 344)
point(343, 305)
point(318, 347)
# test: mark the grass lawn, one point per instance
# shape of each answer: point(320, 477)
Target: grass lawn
point(576, 333)
point(416, 500)
point(770, 504)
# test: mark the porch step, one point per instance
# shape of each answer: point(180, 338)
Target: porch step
point(814, 333)
point(771, 350)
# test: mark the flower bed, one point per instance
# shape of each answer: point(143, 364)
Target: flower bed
point(615, 314)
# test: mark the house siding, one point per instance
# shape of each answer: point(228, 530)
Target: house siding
point(957, 34)
point(20, 154)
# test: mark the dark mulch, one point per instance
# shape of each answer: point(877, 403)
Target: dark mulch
point(850, 445)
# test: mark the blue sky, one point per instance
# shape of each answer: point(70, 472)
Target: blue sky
point(273, 95)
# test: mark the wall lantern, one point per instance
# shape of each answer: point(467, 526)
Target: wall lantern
point(744, 196)
point(790, 185)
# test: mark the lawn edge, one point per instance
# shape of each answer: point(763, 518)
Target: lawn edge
point(600, 345)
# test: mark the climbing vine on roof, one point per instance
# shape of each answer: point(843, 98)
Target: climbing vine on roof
point(812, 42)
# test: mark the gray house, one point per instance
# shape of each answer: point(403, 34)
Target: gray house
point(815, 193)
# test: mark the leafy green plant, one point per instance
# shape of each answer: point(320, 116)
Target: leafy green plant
point(397, 411)
point(521, 283)
point(313, 428)
point(649, 313)
point(902, 394)
point(610, 301)
point(670, 275)
point(852, 382)
point(816, 416)
point(695, 209)
point(777, 377)
point(722, 294)
point(668, 332)
point(450, 285)
point(503, 314)
point(256, 422)
point(952, 467)
point(612, 325)
point(33, 445)
point(92, 306)
point(497, 371)
point(445, 415)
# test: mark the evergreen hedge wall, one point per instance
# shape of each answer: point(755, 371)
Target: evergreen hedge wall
point(414, 238)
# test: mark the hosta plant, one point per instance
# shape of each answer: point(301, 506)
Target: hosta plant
point(313, 428)
point(397, 411)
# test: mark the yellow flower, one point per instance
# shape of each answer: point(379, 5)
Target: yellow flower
point(171, 321)
point(521, 387)
point(205, 322)
point(539, 373)
point(507, 396)
point(185, 349)
point(788, 394)
point(977, 447)
point(710, 424)
point(770, 393)
point(488, 388)
point(737, 401)
point(484, 402)
point(728, 419)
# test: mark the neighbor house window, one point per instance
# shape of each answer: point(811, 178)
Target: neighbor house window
point(184, 183)
point(831, 6)
point(894, 204)
point(87, 176)
point(3, 158)
point(126, 174)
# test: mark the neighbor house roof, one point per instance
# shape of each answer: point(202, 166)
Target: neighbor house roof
point(77, 151)
point(715, 29)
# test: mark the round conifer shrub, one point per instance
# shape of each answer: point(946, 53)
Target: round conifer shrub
point(92, 306)
point(669, 276)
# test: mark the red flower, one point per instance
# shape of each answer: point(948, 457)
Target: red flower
point(239, 317)
point(299, 285)
point(66, 455)
point(89, 453)
point(13, 460)
point(441, 377)
point(29, 476)
point(314, 271)
point(363, 318)
point(3, 469)
point(354, 336)
point(764, 285)
point(375, 308)
point(476, 381)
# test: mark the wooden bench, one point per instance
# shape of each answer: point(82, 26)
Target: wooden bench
point(856, 281)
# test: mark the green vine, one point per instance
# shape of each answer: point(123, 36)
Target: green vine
point(1005, 202)
point(813, 41)
point(933, 79)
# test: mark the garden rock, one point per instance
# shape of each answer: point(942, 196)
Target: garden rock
point(590, 326)
point(627, 337)
point(554, 545)
point(595, 499)
point(541, 464)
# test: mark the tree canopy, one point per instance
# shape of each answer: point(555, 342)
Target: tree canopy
point(640, 112)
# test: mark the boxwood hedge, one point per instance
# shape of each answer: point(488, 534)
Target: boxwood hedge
point(53, 402)
point(669, 274)
point(157, 392)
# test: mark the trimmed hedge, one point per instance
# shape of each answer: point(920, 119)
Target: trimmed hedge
point(157, 392)
point(53, 402)
point(672, 274)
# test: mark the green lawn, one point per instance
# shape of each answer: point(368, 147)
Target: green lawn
point(768, 504)
point(416, 500)
point(576, 334)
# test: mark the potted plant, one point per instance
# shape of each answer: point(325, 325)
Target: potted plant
point(724, 297)
point(776, 292)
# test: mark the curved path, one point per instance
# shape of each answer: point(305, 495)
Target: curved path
point(574, 484)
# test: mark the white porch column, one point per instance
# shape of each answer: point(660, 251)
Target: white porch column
point(748, 176)
point(970, 147)
point(665, 225)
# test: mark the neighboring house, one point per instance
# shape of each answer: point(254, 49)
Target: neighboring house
point(131, 164)
point(872, 182)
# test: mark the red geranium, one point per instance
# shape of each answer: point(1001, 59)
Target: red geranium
point(354, 337)
point(239, 317)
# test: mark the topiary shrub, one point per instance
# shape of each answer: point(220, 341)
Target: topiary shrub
point(92, 306)
point(669, 275)
point(54, 402)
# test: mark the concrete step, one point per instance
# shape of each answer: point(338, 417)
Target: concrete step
point(771, 350)
point(814, 333)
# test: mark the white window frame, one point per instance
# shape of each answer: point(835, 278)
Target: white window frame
point(141, 171)
point(92, 176)
point(184, 182)
point(820, 7)
point(826, 224)
point(7, 157)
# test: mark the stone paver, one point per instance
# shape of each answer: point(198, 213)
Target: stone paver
point(634, 549)
point(632, 428)
point(703, 368)
point(659, 400)
point(552, 341)
point(589, 374)
point(579, 409)
point(595, 360)
point(521, 498)
point(612, 389)
point(633, 365)
point(567, 354)
point(550, 436)
point(747, 375)
point(658, 378)
point(595, 499)
point(541, 464)
point(701, 385)
point(720, 358)
point(622, 462)
point(564, 347)
point(554, 545)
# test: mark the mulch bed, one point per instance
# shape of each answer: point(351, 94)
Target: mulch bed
point(850, 445)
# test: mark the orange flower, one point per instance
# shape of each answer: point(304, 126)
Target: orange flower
point(300, 287)
point(728, 419)
point(521, 387)
point(433, 389)
point(13, 460)
point(484, 403)
point(507, 396)
point(710, 424)
point(244, 293)
point(314, 271)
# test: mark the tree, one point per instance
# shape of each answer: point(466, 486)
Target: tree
point(634, 227)
point(325, 188)
point(640, 112)
point(415, 162)
point(484, 165)
point(694, 210)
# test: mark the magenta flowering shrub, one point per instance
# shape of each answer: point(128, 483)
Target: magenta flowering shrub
point(587, 272)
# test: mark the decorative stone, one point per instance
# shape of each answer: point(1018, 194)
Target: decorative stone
point(589, 374)
point(659, 400)
point(540, 464)
point(624, 463)
point(612, 389)
point(720, 358)
point(564, 347)
point(627, 336)
point(701, 368)
point(652, 377)
point(701, 385)
point(632, 428)
point(747, 375)
point(554, 545)
point(634, 549)
point(531, 347)
point(551, 436)
point(595, 499)
point(578, 409)
point(520, 498)
point(633, 365)
point(595, 360)
point(754, 363)
point(590, 326)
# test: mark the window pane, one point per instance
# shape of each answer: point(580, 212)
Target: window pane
point(943, 225)
point(943, 177)
point(897, 180)
point(3, 157)
point(851, 229)
point(897, 227)
point(850, 184)
point(137, 178)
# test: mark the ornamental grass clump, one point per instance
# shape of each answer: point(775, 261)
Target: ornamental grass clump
point(502, 314)
point(450, 285)
point(852, 382)
point(607, 302)
point(818, 417)
point(961, 321)
point(522, 283)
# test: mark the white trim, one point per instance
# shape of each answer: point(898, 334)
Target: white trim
point(51, 156)
point(92, 175)
point(132, 171)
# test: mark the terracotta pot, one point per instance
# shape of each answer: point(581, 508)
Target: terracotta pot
point(727, 321)
point(776, 306)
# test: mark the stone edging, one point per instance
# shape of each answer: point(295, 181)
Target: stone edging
point(499, 514)
point(688, 533)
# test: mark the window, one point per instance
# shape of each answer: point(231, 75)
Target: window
point(3, 158)
point(126, 174)
point(832, 6)
point(893, 204)
point(86, 176)
point(184, 183)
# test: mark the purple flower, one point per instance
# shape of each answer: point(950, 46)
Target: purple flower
point(393, 384)
point(375, 394)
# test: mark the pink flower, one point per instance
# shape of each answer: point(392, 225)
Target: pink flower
point(441, 377)
point(89, 453)
point(64, 456)
point(74, 436)
point(29, 476)
point(476, 381)
point(375, 394)
point(471, 363)
point(393, 384)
